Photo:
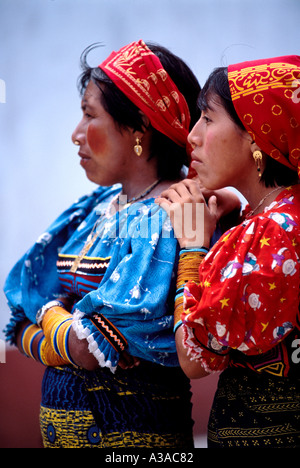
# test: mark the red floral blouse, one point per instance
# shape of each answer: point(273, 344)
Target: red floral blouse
point(248, 295)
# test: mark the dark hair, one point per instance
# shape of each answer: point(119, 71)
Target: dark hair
point(170, 156)
point(217, 84)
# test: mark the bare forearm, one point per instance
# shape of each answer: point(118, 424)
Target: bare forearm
point(192, 369)
point(79, 350)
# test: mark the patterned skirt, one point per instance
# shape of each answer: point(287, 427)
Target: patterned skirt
point(148, 406)
point(255, 410)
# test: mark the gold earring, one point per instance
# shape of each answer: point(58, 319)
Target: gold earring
point(257, 156)
point(138, 149)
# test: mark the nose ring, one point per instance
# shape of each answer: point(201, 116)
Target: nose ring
point(76, 142)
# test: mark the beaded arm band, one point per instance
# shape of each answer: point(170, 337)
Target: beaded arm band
point(188, 270)
point(110, 332)
point(57, 323)
point(45, 354)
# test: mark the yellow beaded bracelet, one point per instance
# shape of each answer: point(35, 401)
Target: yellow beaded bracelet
point(44, 352)
point(29, 334)
point(188, 270)
point(56, 324)
point(48, 356)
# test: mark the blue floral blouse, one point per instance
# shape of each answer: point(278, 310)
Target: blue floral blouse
point(128, 275)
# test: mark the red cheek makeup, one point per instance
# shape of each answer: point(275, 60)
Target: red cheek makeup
point(96, 139)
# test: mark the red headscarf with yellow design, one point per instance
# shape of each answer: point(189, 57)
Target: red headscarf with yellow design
point(139, 74)
point(266, 96)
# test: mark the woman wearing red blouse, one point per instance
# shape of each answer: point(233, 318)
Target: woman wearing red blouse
point(237, 310)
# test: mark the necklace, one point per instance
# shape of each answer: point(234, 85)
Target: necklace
point(94, 233)
point(88, 244)
point(122, 199)
point(251, 213)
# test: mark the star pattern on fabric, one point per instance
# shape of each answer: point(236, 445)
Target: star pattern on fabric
point(246, 298)
point(207, 284)
point(264, 241)
point(224, 302)
point(225, 238)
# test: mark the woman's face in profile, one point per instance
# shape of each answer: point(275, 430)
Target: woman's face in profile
point(222, 154)
point(104, 149)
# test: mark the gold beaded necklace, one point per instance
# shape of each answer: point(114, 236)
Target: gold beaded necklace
point(251, 213)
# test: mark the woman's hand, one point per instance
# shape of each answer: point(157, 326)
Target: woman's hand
point(194, 221)
point(128, 362)
point(82, 357)
point(227, 201)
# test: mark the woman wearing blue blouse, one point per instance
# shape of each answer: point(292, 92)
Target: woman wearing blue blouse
point(93, 299)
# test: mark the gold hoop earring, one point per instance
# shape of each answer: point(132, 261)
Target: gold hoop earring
point(138, 149)
point(257, 156)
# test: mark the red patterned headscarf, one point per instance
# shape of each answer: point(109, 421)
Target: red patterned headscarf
point(139, 74)
point(266, 96)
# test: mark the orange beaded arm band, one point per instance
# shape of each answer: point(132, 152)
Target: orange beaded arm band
point(43, 351)
point(56, 324)
point(188, 270)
